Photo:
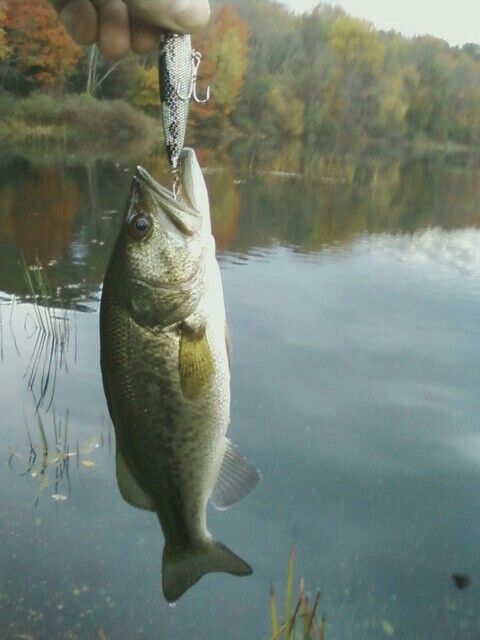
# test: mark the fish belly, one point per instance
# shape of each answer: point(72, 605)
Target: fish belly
point(173, 444)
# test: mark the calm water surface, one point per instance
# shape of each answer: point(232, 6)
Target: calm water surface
point(354, 303)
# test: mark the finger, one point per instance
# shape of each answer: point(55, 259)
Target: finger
point(191, 15)
point(80, 19)
point(113, 29)
point(176, 15)
point(143, 38)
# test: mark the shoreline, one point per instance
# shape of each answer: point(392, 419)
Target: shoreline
point(91, 129)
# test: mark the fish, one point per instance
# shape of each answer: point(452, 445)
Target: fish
point(165, 361)
point(178, 65)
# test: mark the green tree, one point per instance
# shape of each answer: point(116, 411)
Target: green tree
point(434, 64)
point(143, 89)
point(3, 38)
point(354, 90)
point(230, 51)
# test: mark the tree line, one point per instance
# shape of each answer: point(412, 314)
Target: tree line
point(322, 76)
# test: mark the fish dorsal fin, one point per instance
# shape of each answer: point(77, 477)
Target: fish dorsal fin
point(129, 487)
point(195, 362)
point(236, 478)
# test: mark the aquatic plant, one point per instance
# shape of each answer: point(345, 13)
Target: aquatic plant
point(51, 328)
point(48, 460)
point(81, 125)
point(299, 622)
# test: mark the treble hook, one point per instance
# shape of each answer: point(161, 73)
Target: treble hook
point(192, 90)
point(177, 185)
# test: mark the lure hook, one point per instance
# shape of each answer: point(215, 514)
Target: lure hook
point(192, 90)
point(177, 185)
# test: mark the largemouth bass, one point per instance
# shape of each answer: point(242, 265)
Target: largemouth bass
point(166, 374)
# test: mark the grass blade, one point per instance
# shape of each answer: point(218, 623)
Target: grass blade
point(312, 616)
point(274, 613)
point(291, 624)
point(289, 597)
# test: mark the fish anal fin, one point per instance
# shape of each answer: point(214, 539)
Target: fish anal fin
point(195, 362)
point(129, 488)
point(236, 478)
point(182, 569)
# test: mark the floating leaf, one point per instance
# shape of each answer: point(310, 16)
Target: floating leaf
point(388, 628)
point(89, 463)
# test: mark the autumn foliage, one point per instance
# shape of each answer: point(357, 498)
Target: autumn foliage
point(3, 37)
point(322, 76)
point(226, 54)
point(41, 50)
point(224, 49)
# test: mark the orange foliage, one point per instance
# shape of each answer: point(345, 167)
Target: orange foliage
point(43, 50)
point(224, 47)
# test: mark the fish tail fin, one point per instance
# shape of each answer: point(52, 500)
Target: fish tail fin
point(182, 569)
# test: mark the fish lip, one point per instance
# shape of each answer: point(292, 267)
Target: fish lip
point(143, 177)
point(186, 218)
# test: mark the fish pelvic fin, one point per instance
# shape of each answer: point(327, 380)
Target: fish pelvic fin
point(181, 569)
point(129, 488)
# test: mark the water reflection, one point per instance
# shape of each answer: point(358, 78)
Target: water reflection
point(353, 300)
point(166, 375)
point(50, 452)
point(65, 218)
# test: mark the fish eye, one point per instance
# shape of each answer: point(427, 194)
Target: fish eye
point(140, 226)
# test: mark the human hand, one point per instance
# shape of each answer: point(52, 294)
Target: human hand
point(118, 26)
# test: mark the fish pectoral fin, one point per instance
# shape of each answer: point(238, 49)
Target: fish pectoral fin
point(236, 479)
point(181, 569)
point(129, 488)
point(195, 362)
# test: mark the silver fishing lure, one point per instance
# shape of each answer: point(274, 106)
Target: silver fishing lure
point(177, 72)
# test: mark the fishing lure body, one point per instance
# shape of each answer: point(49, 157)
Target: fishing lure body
point(177, 71)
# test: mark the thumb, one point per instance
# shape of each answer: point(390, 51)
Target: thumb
point(183, 16)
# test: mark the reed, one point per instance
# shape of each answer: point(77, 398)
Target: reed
point(300, 622)
point(51, 330)
point(49, 453)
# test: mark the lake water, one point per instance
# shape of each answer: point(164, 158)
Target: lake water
point(353, 295)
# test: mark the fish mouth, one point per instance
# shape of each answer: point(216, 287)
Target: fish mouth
point(185, 218)
point(155, 284)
